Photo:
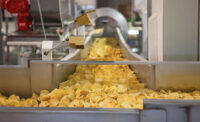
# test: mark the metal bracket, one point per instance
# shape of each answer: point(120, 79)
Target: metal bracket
point(46, 46)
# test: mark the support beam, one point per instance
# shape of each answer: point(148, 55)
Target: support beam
point(1, 39)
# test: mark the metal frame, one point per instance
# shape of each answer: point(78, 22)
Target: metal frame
point(154, 111)
point(68, 115)
point(157, 75)
point(180, 76)
point(1, 39)
point(199, 32)
point(173, 110)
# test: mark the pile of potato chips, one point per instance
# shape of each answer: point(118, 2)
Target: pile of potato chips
point(99, 86)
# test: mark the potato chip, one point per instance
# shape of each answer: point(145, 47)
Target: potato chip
point(104, 86)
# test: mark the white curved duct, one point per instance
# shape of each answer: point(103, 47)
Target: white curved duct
point(140, 6)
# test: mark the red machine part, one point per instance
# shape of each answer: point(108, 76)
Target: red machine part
point(21, 7)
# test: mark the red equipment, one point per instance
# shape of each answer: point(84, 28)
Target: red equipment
point(21, 7)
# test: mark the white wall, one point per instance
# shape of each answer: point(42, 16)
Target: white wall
point(180, 30)
point(173, 30)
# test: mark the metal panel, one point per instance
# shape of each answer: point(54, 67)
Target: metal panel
point(67, 10)
point(175, 114)
point(72, 3)
point(15, 80)
point(194, 114)
point(144, 74)
point(150, 103)
point(48, 75)
point(68, 115)
point(125, 49)
point(55, 11)
point(151, 115)
point(199, 30)
point(61, 73)
point(107, 3)
point(177, 76)
point(143, 71)
point(180, 30)
point(1, 40)
point(112, 14)
point(176, 110)
point(41, 76)
point(50, 10)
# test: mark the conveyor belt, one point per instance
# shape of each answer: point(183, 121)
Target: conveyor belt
point(157, 75)
point(154, 110)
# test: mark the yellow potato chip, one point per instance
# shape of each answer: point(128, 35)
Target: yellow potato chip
point(104, 86)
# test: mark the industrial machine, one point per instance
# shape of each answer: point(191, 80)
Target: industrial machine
point(37, 75)
point(25, 42)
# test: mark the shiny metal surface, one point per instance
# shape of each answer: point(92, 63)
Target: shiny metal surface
point(14, 79)
point(194, 114)
point(51, 73)
point(24, 43)
point(177, 76)
point(50, 10)
point(154, 111)
point(113, 15)
point(125, 49)
point(1, 41)
point(48, 76)
point(164, 102)
point(31, 36)
point(199, 34)
point(153, 115)
point(176, 110)
point(55, 12)
point(163, 75)
point(156, 75)
point(40, 75)
point(68, 115)
point(143, 71)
